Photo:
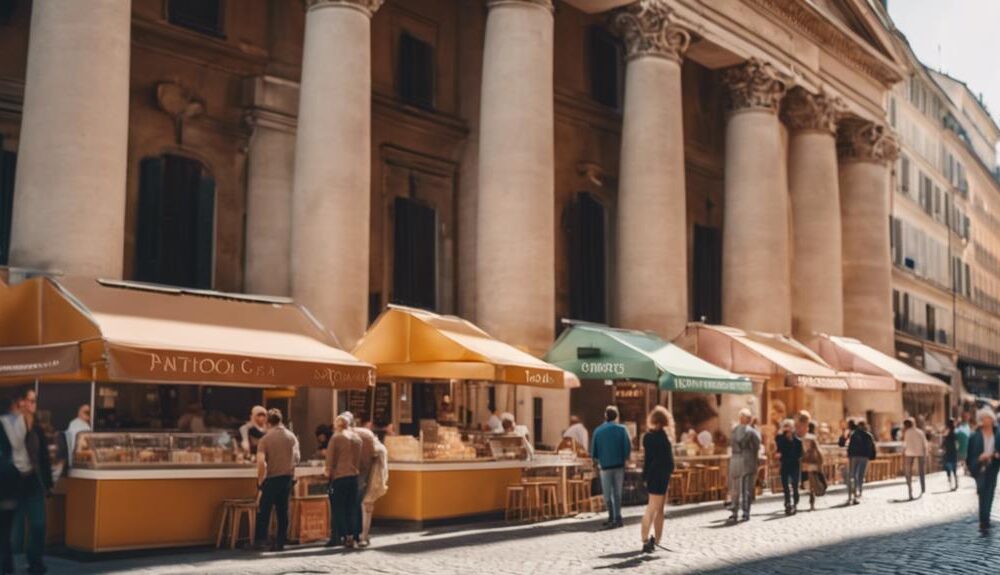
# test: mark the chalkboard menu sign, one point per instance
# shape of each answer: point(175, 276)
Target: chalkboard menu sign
point(383, 405)
point(358, 404)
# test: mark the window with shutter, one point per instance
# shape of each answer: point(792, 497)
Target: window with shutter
point(8, 162)
point(931, 324)
point(175, 224)
point(204, 16)
point(904, 168)
point(416, 71)
point(588, 259)
point(414, 277)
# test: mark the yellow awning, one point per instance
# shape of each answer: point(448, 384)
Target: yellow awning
point(408, 343)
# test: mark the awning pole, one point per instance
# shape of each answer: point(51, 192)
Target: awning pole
point(93, 396)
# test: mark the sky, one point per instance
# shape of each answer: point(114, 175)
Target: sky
point(958, 37)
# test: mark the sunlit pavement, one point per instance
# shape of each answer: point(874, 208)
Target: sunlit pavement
point(936, 533)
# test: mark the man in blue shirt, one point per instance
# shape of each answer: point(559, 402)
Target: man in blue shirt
point(611, 448)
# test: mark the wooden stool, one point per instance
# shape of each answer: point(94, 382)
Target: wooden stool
point(233, 511)
point(579, 494)
point(678, 488)
point(549, 503)
point(713, 482)
point(696, 484)
point(537, 491)
point(516, 503)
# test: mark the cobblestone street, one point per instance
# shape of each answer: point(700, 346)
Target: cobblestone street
point(885, 534)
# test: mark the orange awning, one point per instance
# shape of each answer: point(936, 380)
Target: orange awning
point(128, 332)
point(851, 354)
point(763, 356)
point(408, 343)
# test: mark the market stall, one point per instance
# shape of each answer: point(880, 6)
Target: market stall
point(792, 376)
point(146, 355)
point(630, 360)
point(922, 394)
point(442, 464)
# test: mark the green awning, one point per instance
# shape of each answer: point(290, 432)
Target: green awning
point(593, 351)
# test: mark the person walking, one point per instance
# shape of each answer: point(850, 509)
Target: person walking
point(343, 458)
point(657, 467)
point(984, 462)
point(914, 451)
point(962, 434)
point(812, 468)
point(949, 453)
point(611, 448)
point(745, 444)
point(789, 452)
point(860, 450)
point(31, 458)
point(277, 456)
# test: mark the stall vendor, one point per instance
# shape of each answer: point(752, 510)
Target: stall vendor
point(446, 412)
point(81, 423)
point(252, 431)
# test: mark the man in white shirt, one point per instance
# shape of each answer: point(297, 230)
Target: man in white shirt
point(914, 449)
point(493, 424)
point(578, 433)
point(81, 423)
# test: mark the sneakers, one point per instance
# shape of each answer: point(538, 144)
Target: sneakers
point(650, 545)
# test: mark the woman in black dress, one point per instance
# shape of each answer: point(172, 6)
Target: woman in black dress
point(658, 465)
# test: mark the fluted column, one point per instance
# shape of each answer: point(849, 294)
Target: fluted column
point(814, 191)
point(69, 214)
point(755, 257)
point(331, 195)
point(652, 287)
point(867, 150)
point(515, 253)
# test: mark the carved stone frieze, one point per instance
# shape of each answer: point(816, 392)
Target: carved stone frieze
point(866, 141)
point(754, 85)
point(649, 30)
point(369, 7)
point(803, 110)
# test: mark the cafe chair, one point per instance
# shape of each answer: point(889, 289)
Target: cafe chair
point(516, 502)
point(233, 512)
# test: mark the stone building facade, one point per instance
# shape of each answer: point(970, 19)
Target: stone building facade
point(643, 163)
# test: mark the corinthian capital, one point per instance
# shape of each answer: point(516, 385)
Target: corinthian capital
point(369, 7)
point(547, 4)
point(866, 141)
point(806, 111)
point(754, 85)
point(649, 30)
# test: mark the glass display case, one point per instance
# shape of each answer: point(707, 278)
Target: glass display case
point(510, 448)
point(114, 450)
point(452, 444)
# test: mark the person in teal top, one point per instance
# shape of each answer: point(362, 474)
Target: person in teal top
point(962, 434)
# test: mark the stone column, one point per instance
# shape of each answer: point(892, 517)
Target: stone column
point(867, 150)
point(515, 210)
point(515, 253)
point(755, 257)
point(69, 214)
point(331, 196)
point(814, 191)
point(652, 286)
point(270, 173)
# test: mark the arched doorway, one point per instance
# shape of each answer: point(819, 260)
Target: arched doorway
point(175, 224)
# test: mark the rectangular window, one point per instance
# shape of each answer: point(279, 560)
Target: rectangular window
point(904, 169)
point(588, 275)
point(892, 112)
point(204, 16)
point(6, 11)
point(931, 324)
point(897, 317)
point(416, 71)
point(605, 68)
point(707, 292)
point(415, 254)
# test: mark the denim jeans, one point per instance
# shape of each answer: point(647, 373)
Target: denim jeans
point(274, 492)
point(921, 468)
point(612, 484)
point(790, 479)
point(986, 486)
point(30, 509)
point(857, 466)
point(743, 492)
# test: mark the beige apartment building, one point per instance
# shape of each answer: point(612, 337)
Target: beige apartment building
point(944, 223)
point(641, 163)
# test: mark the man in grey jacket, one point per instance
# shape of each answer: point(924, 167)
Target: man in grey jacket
point(745, 442)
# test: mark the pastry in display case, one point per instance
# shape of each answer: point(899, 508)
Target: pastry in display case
point(448, 446)
point(509, 447)
point(115, 450)
point(403, 448)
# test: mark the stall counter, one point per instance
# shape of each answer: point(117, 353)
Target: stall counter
point(127, 509)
